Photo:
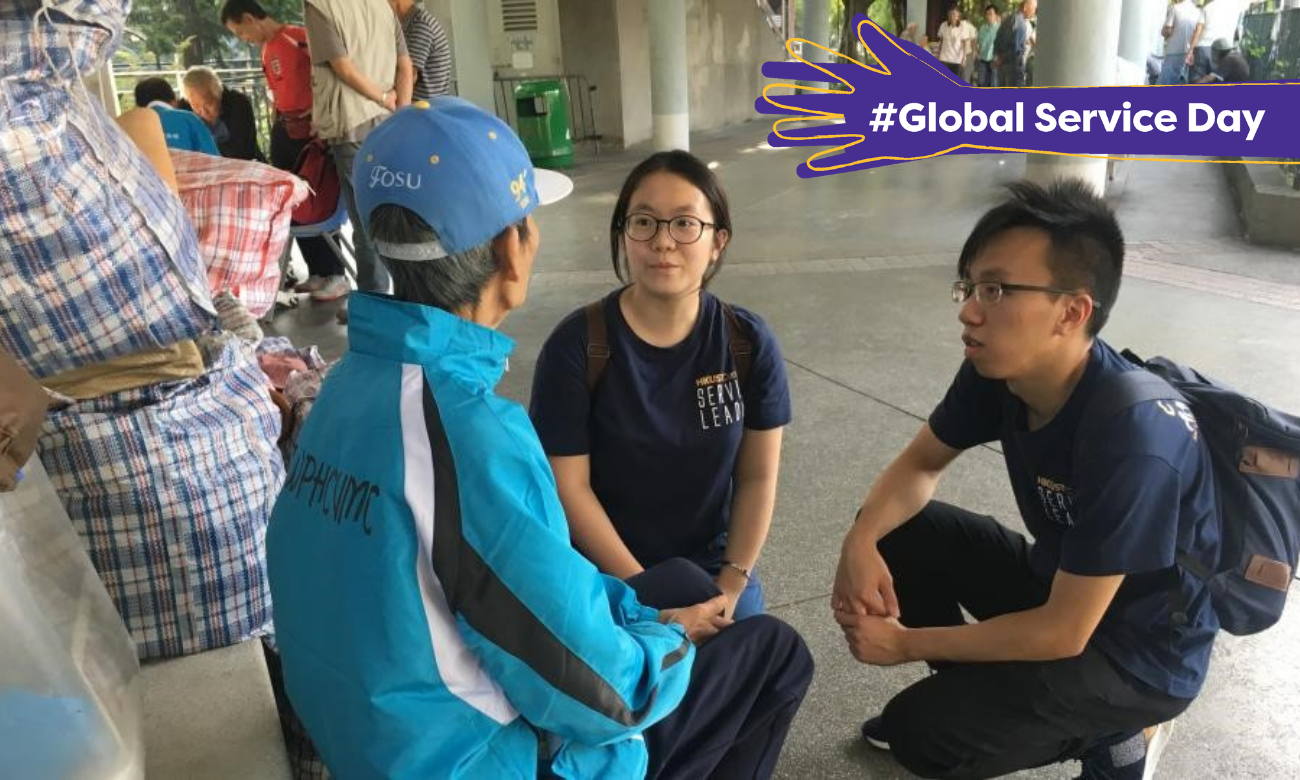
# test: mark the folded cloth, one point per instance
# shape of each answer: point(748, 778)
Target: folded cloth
point(176, 363)
point(300, 392)
point(279, 345)
point(170, 487)
point(278, 368)
point(22, 409)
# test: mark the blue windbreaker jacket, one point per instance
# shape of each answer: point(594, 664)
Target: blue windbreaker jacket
point(433, 619)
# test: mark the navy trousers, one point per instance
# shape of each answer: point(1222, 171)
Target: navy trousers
point(978, 720)
point(746, 685)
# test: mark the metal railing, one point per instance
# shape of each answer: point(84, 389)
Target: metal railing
point(581, 99)
point(249, 80)
point(1271, 44)
point(780, 22)
point(1286, 46)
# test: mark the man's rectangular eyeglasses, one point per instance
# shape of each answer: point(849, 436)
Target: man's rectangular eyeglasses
point(991, 292)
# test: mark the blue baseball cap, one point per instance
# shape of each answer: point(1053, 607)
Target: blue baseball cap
point(461, 169)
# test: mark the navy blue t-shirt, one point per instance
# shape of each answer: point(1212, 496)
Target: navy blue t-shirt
point(1142, 492)
point(663, 427)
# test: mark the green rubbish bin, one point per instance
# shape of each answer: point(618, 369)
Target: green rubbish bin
point(542, 108)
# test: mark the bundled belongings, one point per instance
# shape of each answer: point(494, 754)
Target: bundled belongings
point(163, 445)
point(241, 213)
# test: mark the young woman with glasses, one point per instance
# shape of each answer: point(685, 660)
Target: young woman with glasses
point(660, 407)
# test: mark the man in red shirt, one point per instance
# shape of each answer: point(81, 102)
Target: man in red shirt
point(287, 65)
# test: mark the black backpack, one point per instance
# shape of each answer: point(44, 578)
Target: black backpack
point(1255, 460)
point(598, 343)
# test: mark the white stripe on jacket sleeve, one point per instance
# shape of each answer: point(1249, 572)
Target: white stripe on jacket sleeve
point(457, 664)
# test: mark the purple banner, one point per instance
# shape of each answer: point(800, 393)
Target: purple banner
point(909, 107)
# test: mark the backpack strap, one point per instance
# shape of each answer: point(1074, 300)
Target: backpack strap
point(738, 343)
point(597, 343)
point(1117, 393)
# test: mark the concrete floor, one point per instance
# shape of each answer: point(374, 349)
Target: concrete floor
point(852, 272)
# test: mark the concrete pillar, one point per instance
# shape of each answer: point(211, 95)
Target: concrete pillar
point(1139, 22)
point(1078, 41)
point(917, 12)
point(815, 25)
point(816, 28)
point(472, 52)
point(669, 98)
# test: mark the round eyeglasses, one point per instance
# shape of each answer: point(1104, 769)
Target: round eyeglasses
point(683, 229)
point(991, 292)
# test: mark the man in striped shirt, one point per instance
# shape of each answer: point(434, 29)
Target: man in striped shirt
point(426, 41)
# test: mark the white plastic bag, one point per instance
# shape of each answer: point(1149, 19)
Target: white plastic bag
point(69, 704)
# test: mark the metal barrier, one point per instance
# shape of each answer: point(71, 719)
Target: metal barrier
point(1271, 44)
point(1257, 43)
point(779, 16)
point(582, 108)
point(1286, 47)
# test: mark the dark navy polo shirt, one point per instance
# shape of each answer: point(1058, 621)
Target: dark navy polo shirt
point(1141, 492)
point(663, 427)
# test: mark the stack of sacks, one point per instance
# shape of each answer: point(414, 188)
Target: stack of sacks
point(163, 447)
point(240, 211)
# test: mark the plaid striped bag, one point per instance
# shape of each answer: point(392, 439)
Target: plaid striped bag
point(97, 258)
point(240, 212)
point(171, 486)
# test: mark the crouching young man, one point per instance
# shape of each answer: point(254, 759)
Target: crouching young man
point(433, 619)
point(1080, 643)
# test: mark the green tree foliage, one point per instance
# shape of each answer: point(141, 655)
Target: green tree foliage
point(889, 14)
point(190, 29)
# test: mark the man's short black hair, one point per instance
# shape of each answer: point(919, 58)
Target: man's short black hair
point(154, 88)
point(1087, 250)
point(234, 10)
point(453, 283)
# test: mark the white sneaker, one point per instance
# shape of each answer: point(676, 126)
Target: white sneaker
point(335, 287)
point(1157, 741)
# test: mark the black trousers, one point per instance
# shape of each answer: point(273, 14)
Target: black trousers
point(975, 720)
point(746, 685)
point(321, 260)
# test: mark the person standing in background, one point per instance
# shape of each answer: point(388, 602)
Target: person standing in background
point(426, 42)
point(956, 42)
point(287, 65)
point(1012, 44)
point(1182, 31)
point(985, 74)
point(361, 73)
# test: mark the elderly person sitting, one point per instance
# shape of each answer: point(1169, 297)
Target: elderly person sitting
point(1228, 65)
point(182, 129)
point(228, 113)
